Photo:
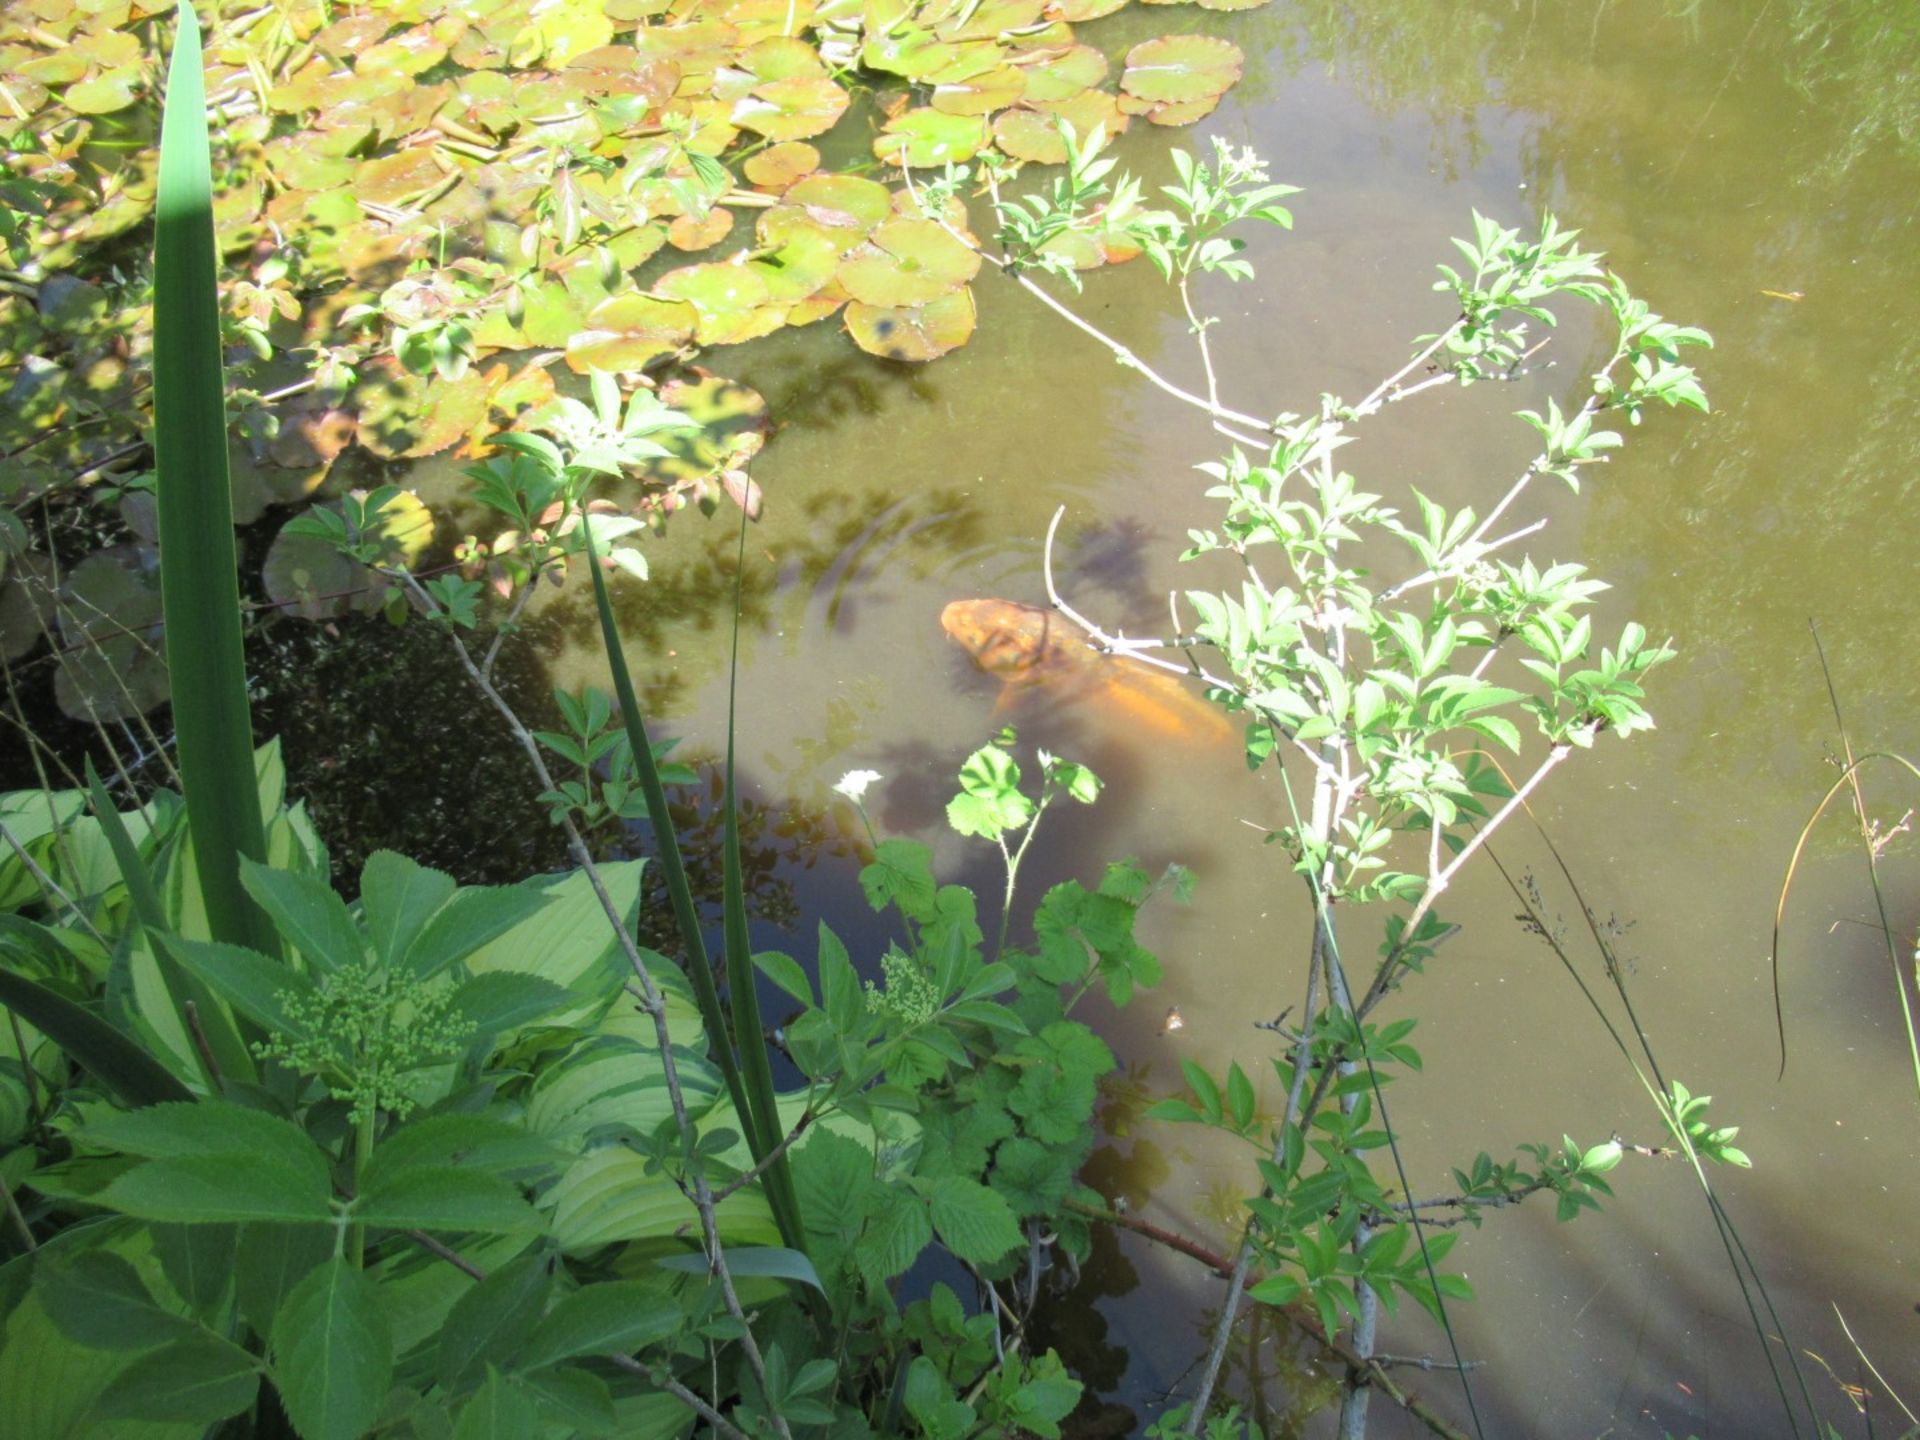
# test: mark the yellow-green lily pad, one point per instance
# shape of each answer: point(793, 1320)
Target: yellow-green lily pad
point(730, 301)
point(1065, 75)
point(791, 109)
point(628, 332)
point(925, 138)
point(913, 333)
point(908, 262)
point(1179, 69)
point(105, 93)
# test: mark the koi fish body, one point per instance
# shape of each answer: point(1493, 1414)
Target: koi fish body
point(1028, 645)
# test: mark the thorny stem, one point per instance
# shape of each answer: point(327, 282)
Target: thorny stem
point(652, 1002)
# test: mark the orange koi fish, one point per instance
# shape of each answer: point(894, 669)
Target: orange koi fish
point(1029, 645)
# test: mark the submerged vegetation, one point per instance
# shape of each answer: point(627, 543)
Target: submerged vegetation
point(297, 1145)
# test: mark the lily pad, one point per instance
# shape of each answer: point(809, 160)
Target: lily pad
point(687, 233)
point(113, 664)
point(629, 332)
point(1179, 69)
point(793, 109)
point(1076, 11)
point(1065, 74)
point(406, 416)
point(105, 93)
point(307, 575)
point(730, 302)
point(913, 333)
point(558, 30)
point(778, 166)
point(908, 262)
point(981, 93)
point(925, 138)
point(801, 266)
point(734, 424)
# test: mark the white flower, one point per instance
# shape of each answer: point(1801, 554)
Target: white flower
point(854, 783)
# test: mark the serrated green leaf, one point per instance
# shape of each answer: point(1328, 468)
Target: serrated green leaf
point(493, 1321)
point(501, 1409)
point(398, 896)
point(199, 1379)
point(473, 918)
point(615, 1317)
point(308, 913)
point(97, 1298)
point(972, 1221)
point(333, 1353)
point(446, 1200)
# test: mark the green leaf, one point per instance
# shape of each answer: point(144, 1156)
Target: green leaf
point(901, 874)
point(212, 1128)
point(578, 1398)
point(255, 985)
point(199, 570)
point(270, 1262)
point(972, 1221)
point(504, 999)
point(1239, 1096)
point(500, 1409)
point(472, 918)
point(98, 1299)
point(493, 1321)
point(616, 1317)
point(446, 1200)
point(770, 1262)
point(450, 1140)
point(398, 896)
point(894, 1236)
point(1204, 1089)
point(199, 1379)
point(333, 1353)
point(1276, 1290)
point(308, 914)
point(117, 1062)
point(785, 972)
point(197, 1261)
point(218, 1189)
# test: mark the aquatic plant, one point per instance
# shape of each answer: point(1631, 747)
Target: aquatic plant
point(1387, 692)
point(413, 196)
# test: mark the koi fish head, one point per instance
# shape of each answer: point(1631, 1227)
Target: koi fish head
point(1004, 638)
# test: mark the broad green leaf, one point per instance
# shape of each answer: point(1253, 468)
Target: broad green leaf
point(309, 914)
point(479, 1142)
point(972, 1221)
point(503, 1000)
point(212, 1128)
point(500, 1409)
point(98, 1299)
point(270, 1262)
point(198, 1261)
point(581, 1399)
point(615, 1317)
point(255, 985)
point(218, 1189)
point(446, 1200)
point(473, 919)
point(333, 1353)
point(493, 1321)
point(398, 896)
point(198, 1379)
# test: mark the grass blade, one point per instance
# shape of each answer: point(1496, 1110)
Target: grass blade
point(228, 1050)
point(686, 915)
point(113, 1059)
point(199, 584)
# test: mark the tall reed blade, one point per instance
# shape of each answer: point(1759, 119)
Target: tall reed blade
point(750, 1076)
point(199, 583)
point(686, 915)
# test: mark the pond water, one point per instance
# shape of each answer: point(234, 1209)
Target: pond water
point(1717, 153)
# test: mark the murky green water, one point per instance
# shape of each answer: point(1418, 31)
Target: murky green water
point(1717, 152)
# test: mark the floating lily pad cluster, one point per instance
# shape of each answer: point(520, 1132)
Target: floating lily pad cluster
point(408, 189)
